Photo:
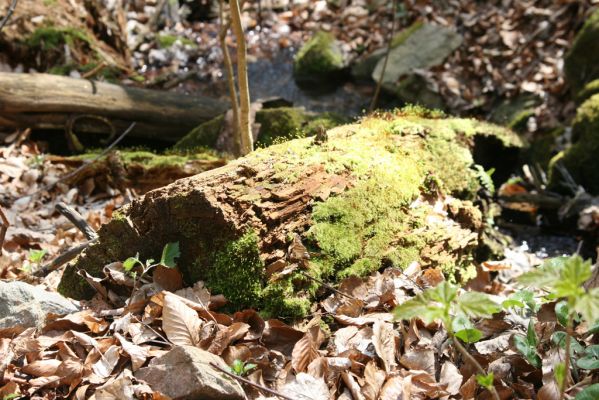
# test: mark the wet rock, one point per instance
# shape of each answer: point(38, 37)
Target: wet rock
point(319, 60)
point(185, 373)
point(581, 63)
point(24, 306)
point(417, 49)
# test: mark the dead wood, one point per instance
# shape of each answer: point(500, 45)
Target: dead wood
point(49, 102)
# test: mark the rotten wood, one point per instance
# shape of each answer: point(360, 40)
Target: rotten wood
point(48, 102)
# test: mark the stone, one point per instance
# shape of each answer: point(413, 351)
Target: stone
point(514, 113)
point(421, 47)
point(581, 63)
point(318, 60)
point(25, 306)
point(185, 373)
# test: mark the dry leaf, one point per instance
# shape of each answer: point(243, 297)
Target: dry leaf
point(384, 342)
point(180, 323)
point(373, 381)
point(304, 352)
point(104, 366)
point(137, 354)
point(41, 367)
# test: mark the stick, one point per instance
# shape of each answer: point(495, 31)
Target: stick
point(327, 286)
point(72, 215)
point(4, 224)
point(379, 84)
point(11, 9)
point(248, 382)
point(62, 259)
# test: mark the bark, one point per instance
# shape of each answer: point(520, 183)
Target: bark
point(49, 101)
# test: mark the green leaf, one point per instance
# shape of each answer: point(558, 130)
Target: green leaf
point(562, 312)
point(594, 328)
point(443, 293)
point(531, 335)
point(477, 304)
point(248, 367)
point(469, 335)
point(588, 305)
point(528, 352)
point(485, 381)
point(589, 393)
point(169, 253)
point(590, 360)
point(559, 339)
point(130, 263)
point(547, 275)
point(512, 303)
point(419, 307)
point(560, 373)
point(36, 256)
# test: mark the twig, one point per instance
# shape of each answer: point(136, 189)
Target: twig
point(4, 224)
point(379, 84)
point(62, 259)
point(81, 168)
point(473, 362)
point(327, 286)
point(11, 9)
point(72, 215)
point(94, 70)
point(248, 382)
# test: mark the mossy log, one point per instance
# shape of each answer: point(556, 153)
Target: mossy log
point(389, 191)
point(49, 101)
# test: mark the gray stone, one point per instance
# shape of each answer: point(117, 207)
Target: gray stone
point(24, 306)
point(425, 47)
point(184, 373)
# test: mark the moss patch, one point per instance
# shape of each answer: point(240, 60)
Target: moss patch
point(279, 124)
point(402, 36)
point(589, 90)
point(203, 136)
point(581, 158)
point(318, 58)
point(581, 63)
point(165, 41)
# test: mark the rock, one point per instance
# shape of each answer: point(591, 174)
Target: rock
point(24, 306)
point(589, 89)
point(420, 47)
point(417, 89)
point(580, 159)
point(514, 113)
point(581, 63)
point(319, 60)
point(185, 373)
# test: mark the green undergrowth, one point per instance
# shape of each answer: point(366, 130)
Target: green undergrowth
point(148, 159)
point(165, 41)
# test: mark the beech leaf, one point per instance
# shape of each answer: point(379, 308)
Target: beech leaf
point(180, 322)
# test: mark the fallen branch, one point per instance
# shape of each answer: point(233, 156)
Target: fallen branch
point(4, 224)
point(248, 382)
point(77, 219)
point(62, 259)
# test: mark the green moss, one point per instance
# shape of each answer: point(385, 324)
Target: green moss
point(581, 63)
point(279, 124)
point(589, 90)
point(318, 58)
point(149, 160)
point(237, 272)
point(327, 120)
point(581, 158)
point(280, 301)
point(402, 36)
point(514, 113)
point(204, 135)
point(165, 41)
point(50, 37)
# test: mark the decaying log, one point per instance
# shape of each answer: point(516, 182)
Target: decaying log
point(49, 101)
point(364, 196)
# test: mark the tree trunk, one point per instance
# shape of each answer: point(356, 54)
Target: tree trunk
point(359, 197)
point(48, 101)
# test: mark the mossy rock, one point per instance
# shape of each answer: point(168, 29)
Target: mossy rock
point(276, 125)
point(319, 59)
point(589, 90)
point(514, 113)
point(581, 63)
point(581, 159)
point(365, 198)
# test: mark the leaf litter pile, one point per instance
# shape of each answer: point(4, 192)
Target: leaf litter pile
point(357, 343)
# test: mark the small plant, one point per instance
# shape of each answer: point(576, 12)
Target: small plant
point(563, 278)
point(169, 253)
point(442, 303)
point(34, 259)
point(241, 368)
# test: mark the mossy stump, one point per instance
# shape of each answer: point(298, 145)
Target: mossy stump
point(391, 190)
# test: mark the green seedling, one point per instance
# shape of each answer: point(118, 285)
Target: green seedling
point(169, 253)
point(34, 259)
point(442, 303)
point(241, 368)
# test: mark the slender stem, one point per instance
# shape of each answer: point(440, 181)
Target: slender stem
point(11, 9)
point(473, 362)
point(247, 139)
point(248, 382)
point(564, 384)
point(379, 83)
point(222, 35)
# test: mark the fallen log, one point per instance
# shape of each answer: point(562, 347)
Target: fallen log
point(266, 230)
point(49, 101)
